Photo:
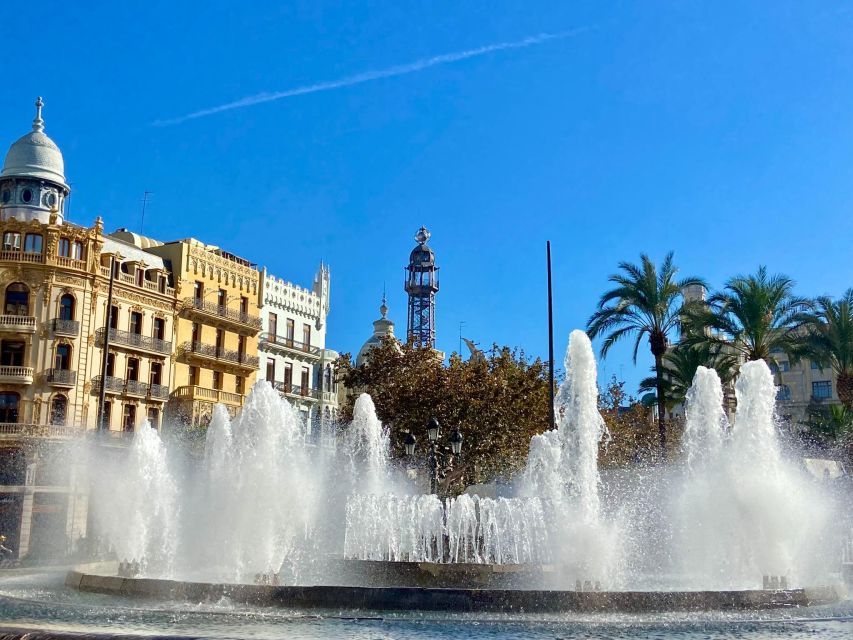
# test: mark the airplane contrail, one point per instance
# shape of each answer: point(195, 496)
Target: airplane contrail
point(368, 76)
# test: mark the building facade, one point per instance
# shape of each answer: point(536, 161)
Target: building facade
point(217, 328)
point(294, 358)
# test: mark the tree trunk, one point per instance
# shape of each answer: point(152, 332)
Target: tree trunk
point(661, 406)
point(844, 387)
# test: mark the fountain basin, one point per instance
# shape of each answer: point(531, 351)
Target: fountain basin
point(101, 579)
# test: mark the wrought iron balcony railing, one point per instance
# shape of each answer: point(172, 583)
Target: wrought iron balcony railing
point(66, 327)
point(61, 377)
point(113, 384)
point(136, 388)
point(222, 311)
point(158, 391)
point(135, 340)
point(220, 353)
point(297, 390)
point(283, 342)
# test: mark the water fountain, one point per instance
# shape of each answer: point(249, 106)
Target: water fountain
point(271, 503)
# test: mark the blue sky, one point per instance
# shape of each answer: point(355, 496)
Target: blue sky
point(721, 131)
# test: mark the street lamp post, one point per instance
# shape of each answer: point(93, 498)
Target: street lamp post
point(439, 466)
point(102, 396)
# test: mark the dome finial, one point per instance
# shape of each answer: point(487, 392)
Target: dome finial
point(38, 123)
point(422, 235)
point(383, 309)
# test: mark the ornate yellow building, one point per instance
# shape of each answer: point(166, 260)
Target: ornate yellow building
point(217, 326)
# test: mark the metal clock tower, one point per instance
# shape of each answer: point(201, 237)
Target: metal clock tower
point(421, 285)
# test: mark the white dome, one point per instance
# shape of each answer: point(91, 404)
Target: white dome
point(34, 155)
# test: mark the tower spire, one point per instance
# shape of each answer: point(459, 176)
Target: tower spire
point(38, 122)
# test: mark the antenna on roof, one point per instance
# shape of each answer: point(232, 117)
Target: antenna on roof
point(144, 202)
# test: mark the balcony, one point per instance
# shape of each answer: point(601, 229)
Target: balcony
point(114, 385)
point(21, 256)
point(135, 341)
point(71, 263)
point(14, 430)
point(60, 377)
point(18, 324)
point(220, 354)
point(158, 392)
point(270, 341)
point(148, 285)
point(66, 327)
point(208, 395)
point(220, 312)
point(297, 391)
point(136, 388)
point(16, 375)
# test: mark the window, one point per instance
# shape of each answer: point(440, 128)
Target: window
point(133, 369)
point(241, 346)
point(114, 317)
point(140, 276)
point(822, 390)
point(156, 376)
point(786, 366)
point(32, 243)
point(12, 353)
point(816, 366)
point(196, 332)
point(154, 417)
point(244, 304)
point(11, 241)
point(217, 380)
point(63, 357)
point(328, 382)
point(272, 327)
point(222, 298)
point(774, 368)
point(270, 370)
point(108, 410)
point(64, 248)
point(136, 322)
point(306, 380)
point(159, 328)
point(239, 384)
point(9, 407)
point(17, 299)
point(288, 376)
point(27, 195)
point(198, 291)
point(77, 250)
point(306, 336)
point(129, 417)
point(220, 340)
point(58, 410)
point(291, 331)
point(66, 307)
point(783, 394)
point(193, 376)
point(111, 364)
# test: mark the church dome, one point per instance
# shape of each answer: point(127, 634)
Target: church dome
point(34, 155)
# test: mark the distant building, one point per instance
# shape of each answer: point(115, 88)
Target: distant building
point(382, 328)
point(294, 358)
point(803, 387)
point(421, 285)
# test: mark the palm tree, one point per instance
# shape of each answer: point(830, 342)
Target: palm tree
point(680, 364)
point(646, 302)
point(829, 340)
point(754, 317)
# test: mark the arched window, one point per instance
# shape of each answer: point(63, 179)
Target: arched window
point(64, 248)
point(63, 357)
point(9, 401)
point(66, 307)
point(11, 241)
point(17, 299)
point(58, 410)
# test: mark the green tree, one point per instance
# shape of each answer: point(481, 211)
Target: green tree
point(680, 364)
point(754, 317)
point(829, 340)
point(498, 402)
point(647, 301)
